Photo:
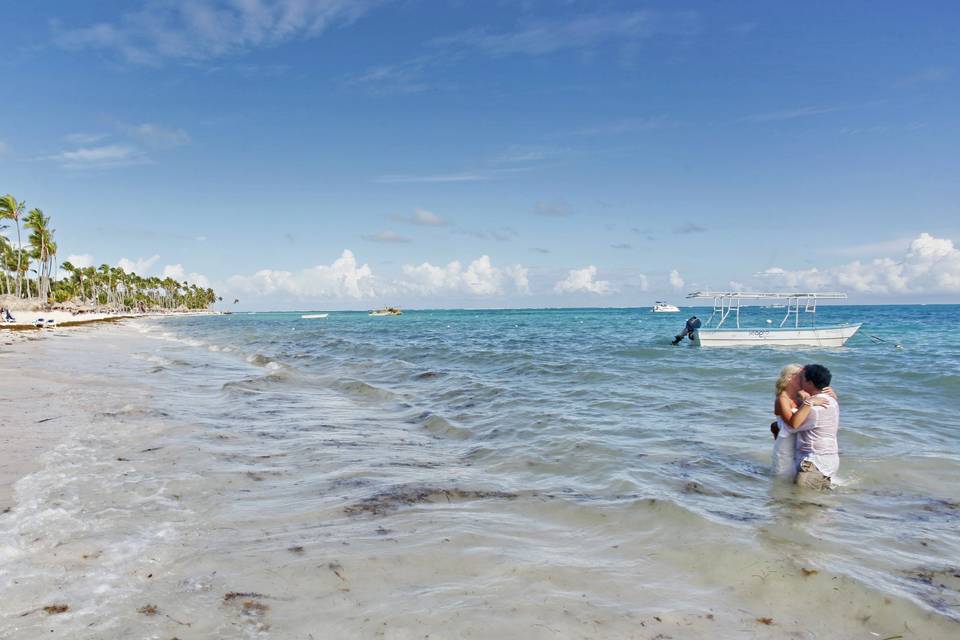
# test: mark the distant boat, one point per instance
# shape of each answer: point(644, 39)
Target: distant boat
point(386, 311)
point(665, 307)
point(311, 316)
point(726, 303)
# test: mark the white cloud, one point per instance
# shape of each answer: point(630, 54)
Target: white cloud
point(421, 217)
point(80, 260)
point(386, 235)
point(130, 150)
point(676, 281)
point(140, 267)
point(82, 137)
point(550, 36)
point(175, 271)
point(582, 280)
point(158, 137)
point(399, 78)
point(449, 177)
point(643, 282)
point(178, 273)
point(429, 218)
point(344, 278)
point(628, 125)
point(480, 278)
point(205, 29)
point(791, 114)
point(104, 156)
point(930, 265)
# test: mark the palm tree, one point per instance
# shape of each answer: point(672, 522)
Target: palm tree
point(43, 249)
point(12, 209)
point(5, 249)
point(75, 284)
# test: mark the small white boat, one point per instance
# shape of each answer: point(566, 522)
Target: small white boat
point(312, 316)
point(728, 302)
point(665, 307)
point(386, 311)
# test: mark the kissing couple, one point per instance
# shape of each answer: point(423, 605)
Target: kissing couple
point(805, 448)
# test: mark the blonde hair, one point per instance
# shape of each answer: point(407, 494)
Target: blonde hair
point(785, 374)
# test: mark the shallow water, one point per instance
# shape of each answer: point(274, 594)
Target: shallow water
point(482, 474)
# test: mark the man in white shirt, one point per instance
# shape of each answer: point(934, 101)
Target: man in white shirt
point(817, 454)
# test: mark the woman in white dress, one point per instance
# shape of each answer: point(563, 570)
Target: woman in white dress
point(784, 406)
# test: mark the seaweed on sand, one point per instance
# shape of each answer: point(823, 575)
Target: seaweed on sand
point(53, 609)
point(254, 608)
point(250, 607)
point(50, 609)
point(394, 498)
point(233, 595)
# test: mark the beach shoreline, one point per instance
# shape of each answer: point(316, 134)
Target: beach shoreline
point(28, 320)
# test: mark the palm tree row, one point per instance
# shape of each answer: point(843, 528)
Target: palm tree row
point(105, 286)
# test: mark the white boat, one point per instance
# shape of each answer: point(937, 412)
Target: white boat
point(665, 307)
point(386, 311)
point(727, 303)
point(311, 316)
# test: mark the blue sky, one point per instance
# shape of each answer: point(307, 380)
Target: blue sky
point(331, 154)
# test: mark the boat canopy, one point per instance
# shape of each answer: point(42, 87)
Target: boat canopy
point(725, 302)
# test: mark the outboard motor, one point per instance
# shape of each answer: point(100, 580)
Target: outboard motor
point(689, 330)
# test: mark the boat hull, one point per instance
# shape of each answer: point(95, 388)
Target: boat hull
point(835, 336)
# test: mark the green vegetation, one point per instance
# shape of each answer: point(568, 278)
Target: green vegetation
point(103, 287)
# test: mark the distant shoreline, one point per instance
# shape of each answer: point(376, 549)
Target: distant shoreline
point(68, 319)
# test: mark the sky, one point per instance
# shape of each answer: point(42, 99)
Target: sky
point(334, 154)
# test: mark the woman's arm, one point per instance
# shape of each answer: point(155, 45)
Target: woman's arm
point(783, 406)
point(804, 410)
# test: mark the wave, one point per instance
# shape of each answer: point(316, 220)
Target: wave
point(258, 384)
point(361, 389)
point(261, 360)
point(440, 426)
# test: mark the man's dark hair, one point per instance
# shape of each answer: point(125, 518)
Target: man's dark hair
point(817, 375)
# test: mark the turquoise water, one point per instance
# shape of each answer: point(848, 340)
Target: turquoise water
point(570, 466)
point(596, 402)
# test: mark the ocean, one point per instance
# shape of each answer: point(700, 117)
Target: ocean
point(485, 474)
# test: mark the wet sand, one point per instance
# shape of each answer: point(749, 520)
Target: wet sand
point(31, 410)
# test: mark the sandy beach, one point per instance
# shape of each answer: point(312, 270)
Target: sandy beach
point(40, 402)
point(26, 400)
